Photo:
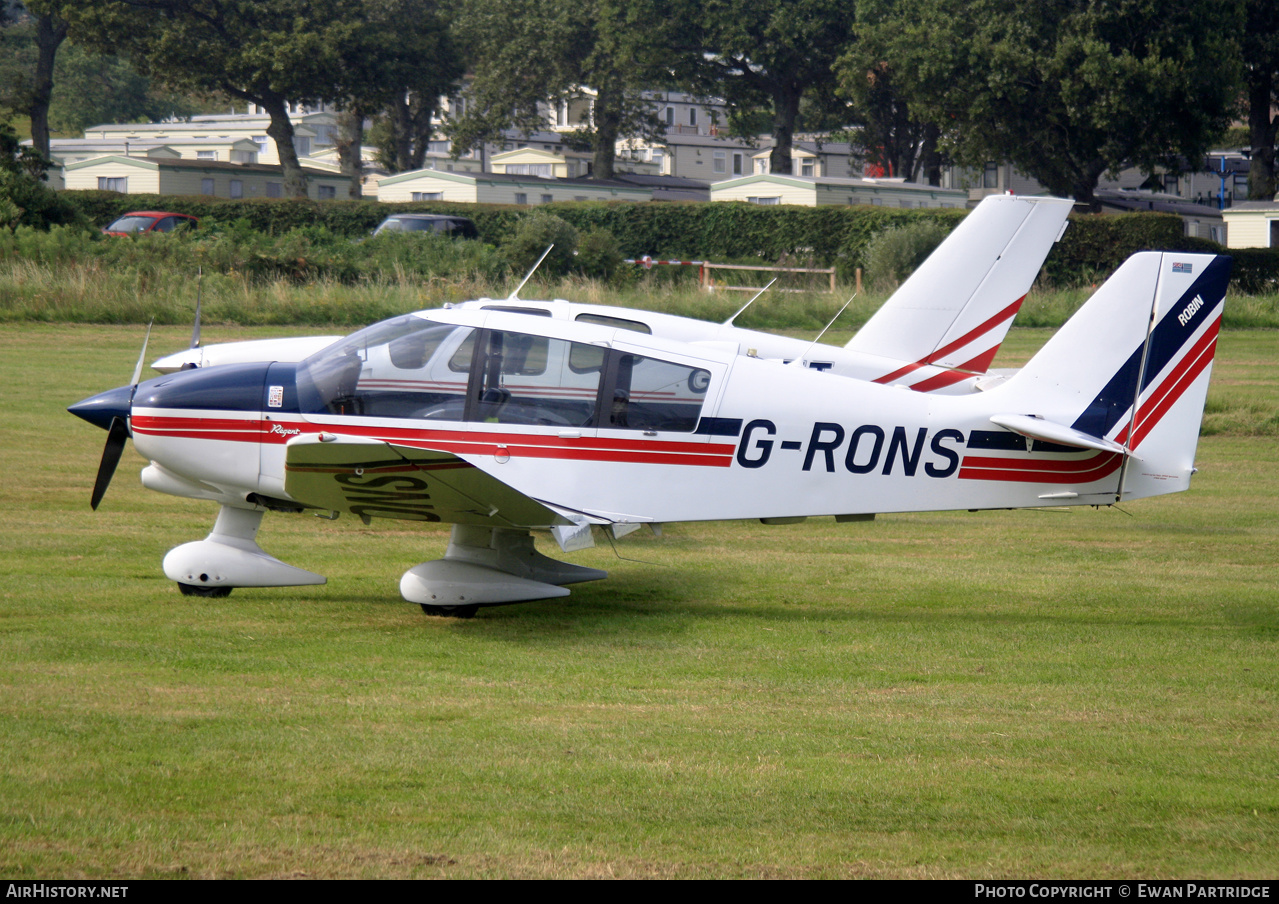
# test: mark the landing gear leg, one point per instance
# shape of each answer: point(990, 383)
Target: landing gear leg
point(230, 557)
point(487, 567)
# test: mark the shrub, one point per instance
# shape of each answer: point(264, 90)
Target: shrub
point(893, 254)
point(1091, 249)
point(538, 230)
point(598, 255)
point(26, 201)
point(1255, 270)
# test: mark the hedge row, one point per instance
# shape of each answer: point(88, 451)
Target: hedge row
point(1256, 270)
point(722, 232)
point(1091, 248)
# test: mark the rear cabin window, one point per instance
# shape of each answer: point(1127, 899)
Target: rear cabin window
point(521, 355)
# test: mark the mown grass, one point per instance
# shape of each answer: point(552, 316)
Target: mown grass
point(1090, 693)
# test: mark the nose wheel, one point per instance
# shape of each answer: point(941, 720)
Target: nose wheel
point(197, 590)
point(451, 611)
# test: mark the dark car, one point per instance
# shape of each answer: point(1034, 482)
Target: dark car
point(138, 222)
point(457, 227)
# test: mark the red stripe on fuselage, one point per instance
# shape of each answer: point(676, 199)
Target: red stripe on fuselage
point(272, 432)
point(1021, 470)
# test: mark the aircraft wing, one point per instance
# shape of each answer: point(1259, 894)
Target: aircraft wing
point(373, 478)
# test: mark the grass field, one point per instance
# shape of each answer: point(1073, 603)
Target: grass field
point(1081, 694)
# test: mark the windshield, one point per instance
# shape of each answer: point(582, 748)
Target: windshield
point(406, 224)
point(379, 370)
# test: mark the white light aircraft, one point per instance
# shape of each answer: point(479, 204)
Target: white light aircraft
point(938, 333)
point(538, 423)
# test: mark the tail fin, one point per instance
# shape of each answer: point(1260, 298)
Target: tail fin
point(955, 310)
point(1129, 372)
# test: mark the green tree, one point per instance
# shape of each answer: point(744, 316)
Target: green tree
point(24, 199)
point(769, 55)
point(404, 128)
point(82, 88)
point(1064, 89)
point(28, 74)
point(895, 142)
point(93, 88)
point(397, 66)
point(1261, 78)
point(268, 52)
point(529, 53)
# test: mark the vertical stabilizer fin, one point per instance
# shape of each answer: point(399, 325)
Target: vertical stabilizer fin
point(956, 308)
point(1132, 367)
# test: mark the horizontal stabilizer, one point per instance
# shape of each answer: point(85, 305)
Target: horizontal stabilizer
point(1040, 429)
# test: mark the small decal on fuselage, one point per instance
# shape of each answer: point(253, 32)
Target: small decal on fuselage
point(275, 397)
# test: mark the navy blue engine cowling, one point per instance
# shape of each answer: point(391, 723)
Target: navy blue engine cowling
point(227, 387)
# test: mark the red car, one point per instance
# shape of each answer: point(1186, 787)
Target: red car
point(140, 221)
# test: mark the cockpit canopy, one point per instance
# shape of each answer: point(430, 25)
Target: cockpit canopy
point(413, 367)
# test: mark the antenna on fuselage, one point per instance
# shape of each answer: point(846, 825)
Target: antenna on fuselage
point(800, 360)
point(729, 321)
point(515, 296)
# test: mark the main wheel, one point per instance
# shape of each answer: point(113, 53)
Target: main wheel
point(197, 590)
point(451, 611)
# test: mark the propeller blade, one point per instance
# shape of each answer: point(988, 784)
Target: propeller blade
point(137, 371)
point(116, 436)
point(199, 286)
point(95, 410)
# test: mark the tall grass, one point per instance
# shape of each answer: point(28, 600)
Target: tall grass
point(311, 277)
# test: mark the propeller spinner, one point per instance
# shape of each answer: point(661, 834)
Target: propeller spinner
point(110, 411)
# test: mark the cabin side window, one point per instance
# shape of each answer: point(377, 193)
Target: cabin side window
point(653, 395)
point(521, 379)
